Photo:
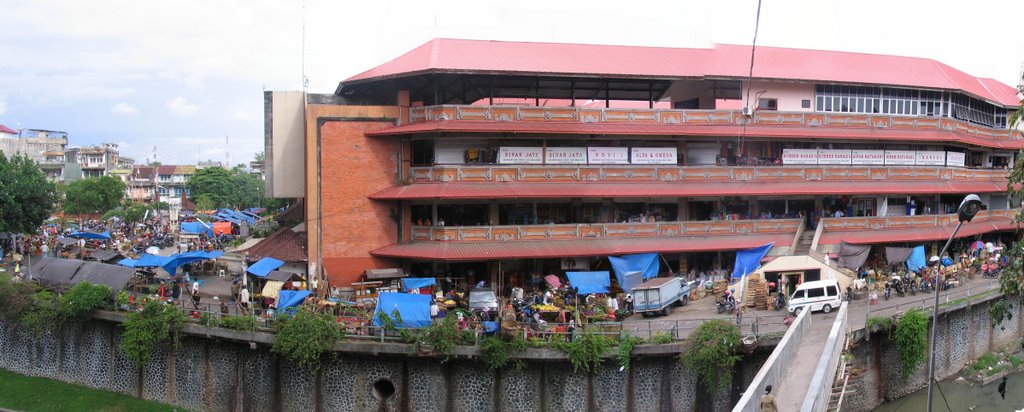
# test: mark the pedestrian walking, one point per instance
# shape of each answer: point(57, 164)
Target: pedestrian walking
point(195, 291)
point(739, 316)
point(768, 401)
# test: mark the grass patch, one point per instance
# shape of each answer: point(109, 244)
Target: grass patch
point(26, 393)
point(986, 361)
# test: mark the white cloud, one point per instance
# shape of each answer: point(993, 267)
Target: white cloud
point(123, 109)
point(181, 106)
point(3, 105)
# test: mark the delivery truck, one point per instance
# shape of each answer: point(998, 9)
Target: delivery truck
point(656, 296)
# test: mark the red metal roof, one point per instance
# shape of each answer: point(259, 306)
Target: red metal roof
point(913, 235)
point(284, 244)
point(454, 251)
point(755, 131)
point(5, 129)
point(729, 61)
point(511, 190)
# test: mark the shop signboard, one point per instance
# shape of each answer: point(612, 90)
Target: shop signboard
point(834, 157)
point(653, 155)
point(900, 157)
point(565, 155)
point(520, 155)
point(955, 159)
point(869, 157)
point(799, 156)
point(608, 155)
point(924, 158)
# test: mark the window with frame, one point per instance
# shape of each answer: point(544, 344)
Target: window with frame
point(832, 290)
point(767, 104)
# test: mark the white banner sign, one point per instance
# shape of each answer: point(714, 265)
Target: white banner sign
point(521, 155)
point(566, 155)
point(834, 157)
point(900, 157)
point(608, 155)
point(955, 159)
point(799, 156)
point(654, 155)
point(869, 157)
point(931, 159)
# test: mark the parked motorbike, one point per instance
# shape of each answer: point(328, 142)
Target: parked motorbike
point(780, 301)
point(725, 305)
point(888, 290)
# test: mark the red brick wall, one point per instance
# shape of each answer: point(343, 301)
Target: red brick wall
point(355, 166)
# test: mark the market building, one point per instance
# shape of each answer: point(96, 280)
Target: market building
point(499, 161)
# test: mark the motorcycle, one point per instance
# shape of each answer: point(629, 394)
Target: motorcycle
point(911, 288)
point(780, 301)
point(888, 290)
point(724, 306)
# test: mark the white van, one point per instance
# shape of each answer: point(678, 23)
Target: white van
point(820, 295)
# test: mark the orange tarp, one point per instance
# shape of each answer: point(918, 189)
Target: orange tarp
point(221, 228)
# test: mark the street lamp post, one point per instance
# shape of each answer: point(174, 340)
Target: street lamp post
point(970, 206)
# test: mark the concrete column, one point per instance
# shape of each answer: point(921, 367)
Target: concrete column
point(433, 212)
point(684, 210)
point(493, 214)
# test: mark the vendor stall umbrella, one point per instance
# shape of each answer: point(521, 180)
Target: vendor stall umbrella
point(968, 208)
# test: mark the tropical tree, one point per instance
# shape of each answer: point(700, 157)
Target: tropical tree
point(93, 195)
point(26, 197)
point(218, 187)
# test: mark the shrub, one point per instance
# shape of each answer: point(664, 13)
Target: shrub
point(662, 338)
point(15, 298)
point(880, 324)
point(246, 323)
point(626, 349)
point(84, 298)
point(586, 351)
point(711, 351)
point(46, 313)
point(443, 336)
point(911, 337)
point(305, 337)
point(498, 352)
point(143, 330)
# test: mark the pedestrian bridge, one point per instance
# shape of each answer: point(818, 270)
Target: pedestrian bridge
point(803, 366)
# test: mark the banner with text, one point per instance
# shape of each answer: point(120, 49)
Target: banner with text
point(955, 159)
point(521, 155)
point(900, 157)
point(869, 157)
point(800, 156)
point(654, 155)
point(834, 157)
point(931, 159)
point(608, 155)
point(566, 155)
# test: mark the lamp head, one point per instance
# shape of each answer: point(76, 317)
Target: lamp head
point(968, 208)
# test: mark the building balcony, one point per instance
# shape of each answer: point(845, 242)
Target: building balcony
point(889, 229)
point(602, 230)
point(93, 165)
point(568, 181)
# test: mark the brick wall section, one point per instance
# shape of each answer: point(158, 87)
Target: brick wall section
point(353, 167)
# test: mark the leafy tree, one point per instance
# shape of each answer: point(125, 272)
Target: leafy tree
point(161, 205)
point(26, 197)
point(93, 195)
point(205, 202)
point(711, 351)
point(233, 188)
point(131, 213)
point(259, 157)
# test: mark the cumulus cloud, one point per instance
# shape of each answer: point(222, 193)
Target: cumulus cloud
point(181, 106)
point(123, 109)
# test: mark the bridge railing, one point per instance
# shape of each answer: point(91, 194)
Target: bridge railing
point(817, 396)
point(774, 369)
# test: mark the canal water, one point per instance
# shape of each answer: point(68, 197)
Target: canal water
point(963, 397)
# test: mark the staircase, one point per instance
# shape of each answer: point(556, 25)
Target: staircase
point(840, 386)
point(803, 245)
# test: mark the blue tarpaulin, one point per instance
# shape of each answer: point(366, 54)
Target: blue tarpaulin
point(145, 261)
point(196, 228)
point(290, 298)
point(264, 266)
point(178, 259)
point(416, 283)
point(946, 261)
point(414, 309)
point(916, 259)
point(589, 282)
point(91, 235)
point(749, 260)
point(646, 263)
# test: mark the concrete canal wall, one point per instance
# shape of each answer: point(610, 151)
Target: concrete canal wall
point(965, 333)
point(219, 370)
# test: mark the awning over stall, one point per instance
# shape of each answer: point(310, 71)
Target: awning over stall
point(414, 309)
point(262, 267)
point(589, 282)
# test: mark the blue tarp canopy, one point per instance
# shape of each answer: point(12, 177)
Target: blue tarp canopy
point(264, 266)
point(91, 235)
point(590, 282)
point(145, 261)
point(233, 214)
point(178, 259)
point(749, 260)
point(414, 309)
point(916, 259)
point(646, 263)
point(290, 298)
point(196, 228)
point(416, 283)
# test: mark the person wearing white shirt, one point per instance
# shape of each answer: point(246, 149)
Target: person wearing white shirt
point(244, 298)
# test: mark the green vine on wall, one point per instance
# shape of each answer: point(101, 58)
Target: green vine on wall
point(143, 330)
point(497, 352)
point(305, 337)
point(911, 337)
point(586, 350)
point(711, 351)
point(626, 345)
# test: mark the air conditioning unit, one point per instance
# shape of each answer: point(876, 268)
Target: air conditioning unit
point(747, 111)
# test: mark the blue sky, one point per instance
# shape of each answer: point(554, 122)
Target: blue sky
point(183, 75)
